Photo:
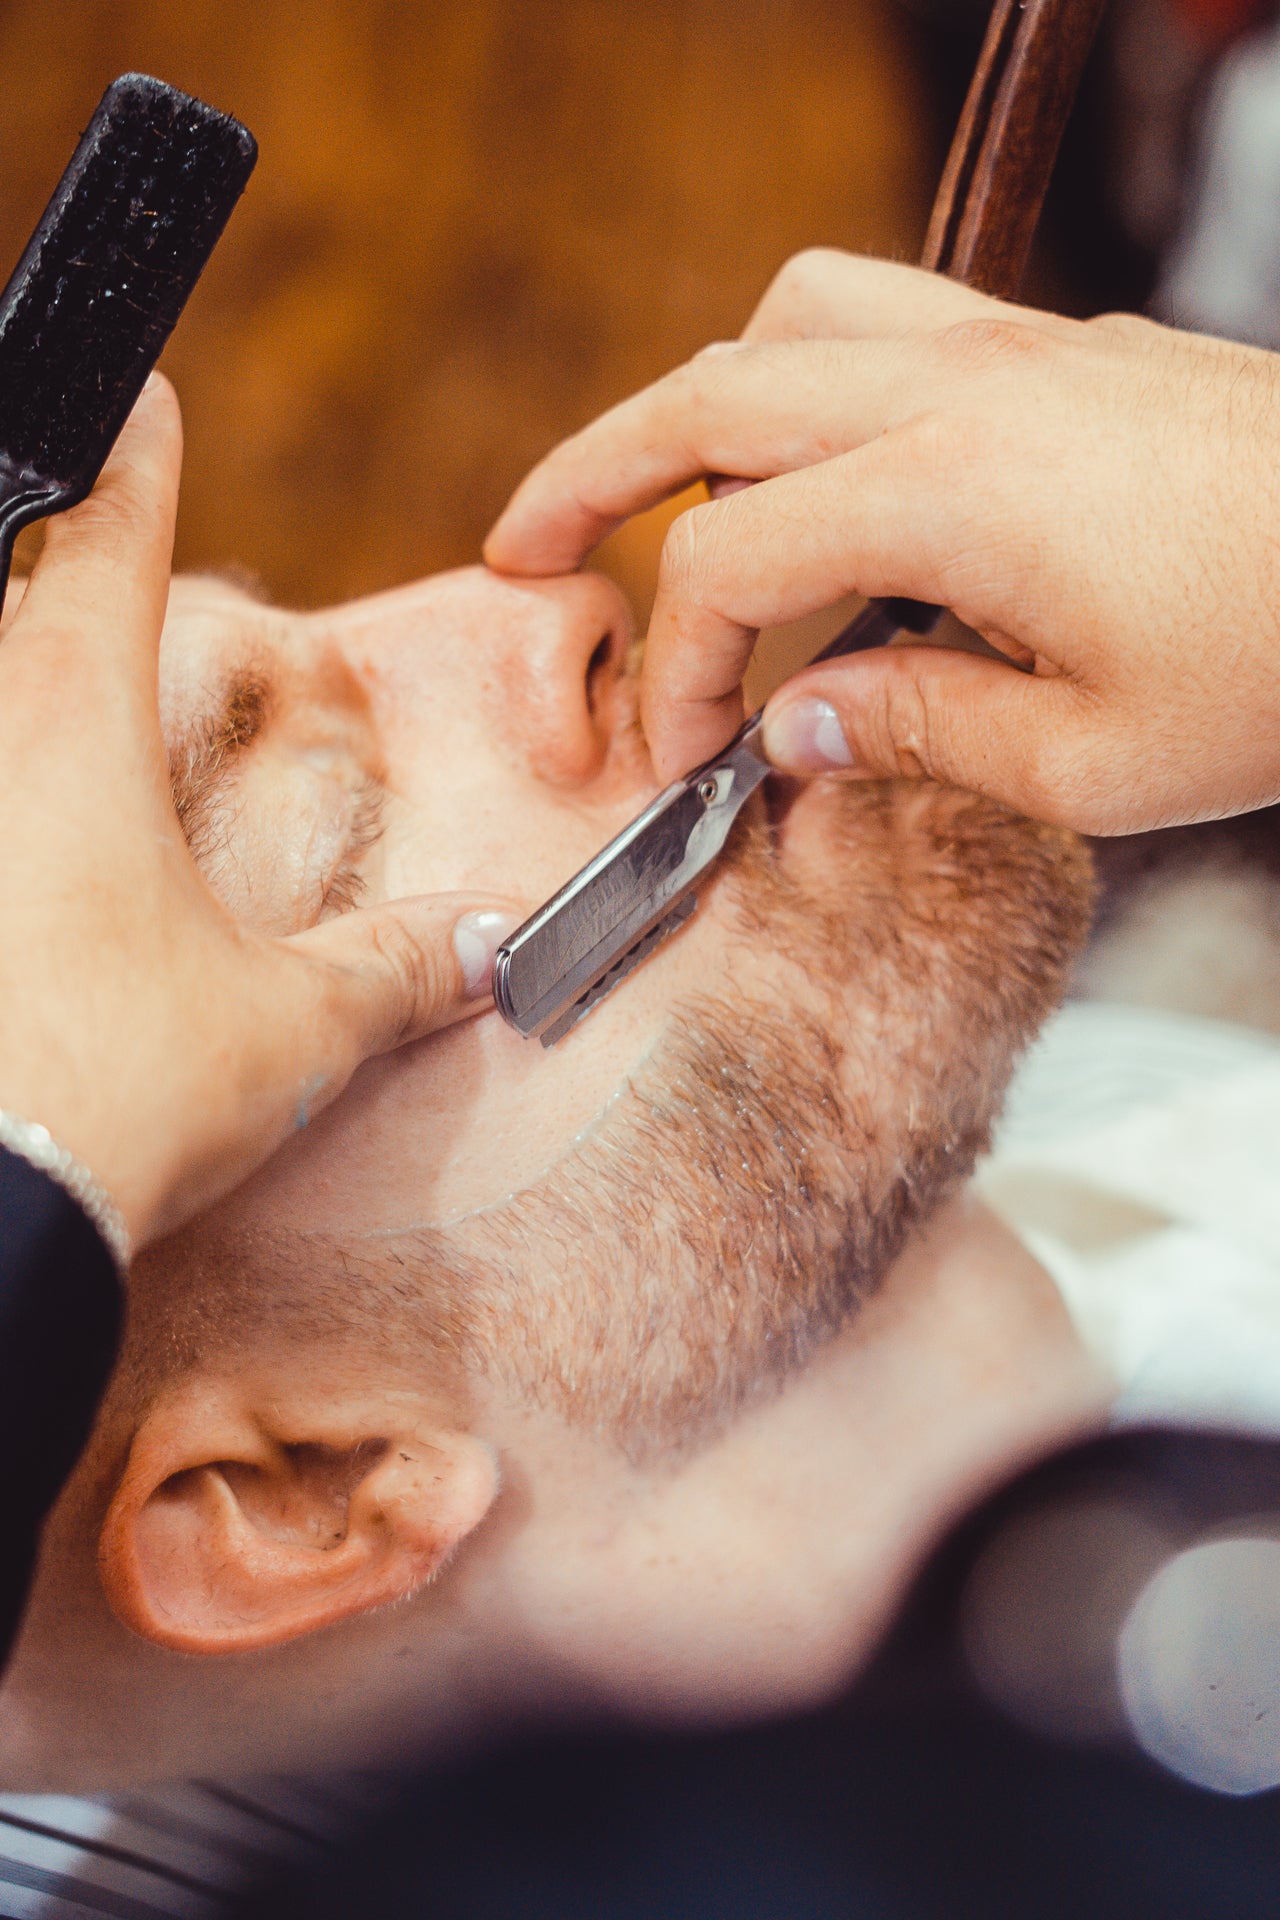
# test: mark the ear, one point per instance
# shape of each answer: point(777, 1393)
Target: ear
point(238, 1524)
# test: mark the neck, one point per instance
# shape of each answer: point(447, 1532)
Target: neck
point(763, 1572)
point(757, 1575)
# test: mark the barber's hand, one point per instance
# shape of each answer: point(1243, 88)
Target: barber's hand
point(1101, 501)
point(164, 1045)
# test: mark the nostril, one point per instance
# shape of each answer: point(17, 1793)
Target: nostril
point(567, 698)
point(599, 675)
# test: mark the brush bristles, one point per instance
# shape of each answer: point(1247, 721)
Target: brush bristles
point(106, 274)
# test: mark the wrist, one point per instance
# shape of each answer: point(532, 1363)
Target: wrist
point(33, 1143)
point(89, 1107)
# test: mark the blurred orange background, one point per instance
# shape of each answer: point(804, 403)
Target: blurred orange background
point(473, 225)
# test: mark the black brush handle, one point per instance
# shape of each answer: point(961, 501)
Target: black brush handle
point(101, 284)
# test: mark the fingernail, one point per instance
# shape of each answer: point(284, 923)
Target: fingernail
point(805, 736)
point(476, 940)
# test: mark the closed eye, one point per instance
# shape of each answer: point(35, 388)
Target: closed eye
point(347, 885)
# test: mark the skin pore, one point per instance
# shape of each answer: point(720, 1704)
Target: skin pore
point(638, 1372)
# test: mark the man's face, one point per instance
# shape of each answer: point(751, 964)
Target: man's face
point(462, 733)
point(480, 1338)
point(650, 1221)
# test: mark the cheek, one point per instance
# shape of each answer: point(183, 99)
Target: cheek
point(437, 1131)
point(474, 832)
point(480, 822)
point(463, 811)
point(437, 676)
point(434, 1132)
point(464, 1119)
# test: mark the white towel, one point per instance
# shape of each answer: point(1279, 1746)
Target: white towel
point(1139, 1160)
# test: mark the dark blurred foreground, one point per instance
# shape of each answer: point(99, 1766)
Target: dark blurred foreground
point(916, 1797)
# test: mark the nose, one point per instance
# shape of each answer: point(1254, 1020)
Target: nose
point(566, 691)
point(534, 669)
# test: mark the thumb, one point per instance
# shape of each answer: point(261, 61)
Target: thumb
point(399, 971)
point(327, 999)
point(1028, 740)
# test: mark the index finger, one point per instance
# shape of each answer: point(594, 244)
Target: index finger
point(751, 410)
point(724, 413)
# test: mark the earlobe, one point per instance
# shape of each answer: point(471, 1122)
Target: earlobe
point(224, 1536)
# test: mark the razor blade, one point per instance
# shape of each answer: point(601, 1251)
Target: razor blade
point(641, 887)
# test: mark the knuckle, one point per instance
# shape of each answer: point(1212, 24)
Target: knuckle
point(125, 508)
point(688, 402)
point(810, 268)
point(414, 971)
point(990, 344)
point(709, 385)
point(1124, 327)
point(944, 443)
point(800, 278)
point(111, 512)
point(901, 740)
point(696, 392)
point(684, 549)
point(937, 435)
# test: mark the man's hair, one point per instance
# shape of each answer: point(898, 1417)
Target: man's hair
point(755, 1179)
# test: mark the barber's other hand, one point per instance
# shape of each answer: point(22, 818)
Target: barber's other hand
point(1099, 500)
point(167, 1047)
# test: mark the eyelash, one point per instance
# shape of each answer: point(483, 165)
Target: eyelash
point(347, 885)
